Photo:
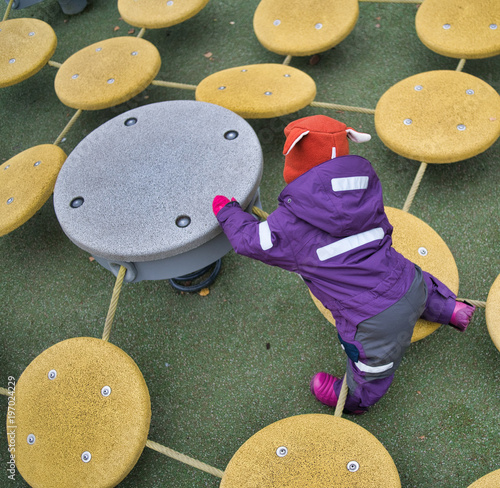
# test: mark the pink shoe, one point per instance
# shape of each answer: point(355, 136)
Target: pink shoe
point(322, 388)
point(462, 315)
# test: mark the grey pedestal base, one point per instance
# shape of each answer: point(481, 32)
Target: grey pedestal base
point(69, 7)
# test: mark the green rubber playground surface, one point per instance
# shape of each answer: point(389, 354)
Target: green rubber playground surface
point(221, 367)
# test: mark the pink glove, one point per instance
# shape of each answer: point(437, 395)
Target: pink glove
point(219, 202)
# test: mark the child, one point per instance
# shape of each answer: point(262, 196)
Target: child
point(330, 227)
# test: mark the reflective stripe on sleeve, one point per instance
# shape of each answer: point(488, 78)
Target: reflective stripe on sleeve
point(349, 243)
point(265, 236)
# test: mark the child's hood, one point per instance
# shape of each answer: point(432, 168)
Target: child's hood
point(342, 197)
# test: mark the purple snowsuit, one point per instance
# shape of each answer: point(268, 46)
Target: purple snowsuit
point(331, 228)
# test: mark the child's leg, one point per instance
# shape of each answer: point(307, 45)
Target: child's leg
point(362, 392)
point(442, 307)
point(378, 348)
point(440, 300)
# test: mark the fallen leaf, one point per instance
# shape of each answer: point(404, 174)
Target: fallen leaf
point(116, 28)
point(314, 60)
point(91, 259)
point(208, 54)
point(131, 31)
point(377, 25)
point(204, 292)
point(422, 437)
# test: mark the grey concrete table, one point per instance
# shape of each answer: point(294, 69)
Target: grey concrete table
point(138, 190)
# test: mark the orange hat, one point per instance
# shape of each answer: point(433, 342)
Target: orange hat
point(313, 140)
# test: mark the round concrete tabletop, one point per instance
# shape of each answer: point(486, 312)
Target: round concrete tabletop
point(304, 28)
point(152, 14)
point(460, 28)
point(26, 182)
point(493, 312)
point(82, 415)
point(107, 73)
point(490, 480)
point(258, 91)
point(439, 116)
point(26, 45)
point(312, 450)
point(140, 187)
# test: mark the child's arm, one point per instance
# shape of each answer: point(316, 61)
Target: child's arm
point(252, 238)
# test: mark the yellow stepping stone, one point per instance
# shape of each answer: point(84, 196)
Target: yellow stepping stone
point(82, 416)
point(465, 29)
point(26, 45)
point(26, 182)
point(439, 117)
point(107, 73)
point(313, 451)
point(155, 14)
point(419, 243)
point(259, 90)
point(304, 27)
point(493, 313)
point(491, 480)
